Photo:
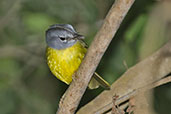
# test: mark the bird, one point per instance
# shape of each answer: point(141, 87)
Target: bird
point(64, 53)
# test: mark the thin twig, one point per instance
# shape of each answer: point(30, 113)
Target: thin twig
point(70, 100)
point(115, 108)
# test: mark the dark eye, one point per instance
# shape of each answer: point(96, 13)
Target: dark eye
point(63, 39)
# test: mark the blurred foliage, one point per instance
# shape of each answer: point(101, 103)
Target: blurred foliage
point(26, 84)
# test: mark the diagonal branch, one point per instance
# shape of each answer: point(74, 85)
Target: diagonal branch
point(124, 99)
point(71, 98)
point(148, 71)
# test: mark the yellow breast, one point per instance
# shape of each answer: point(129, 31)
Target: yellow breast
point(63, 63)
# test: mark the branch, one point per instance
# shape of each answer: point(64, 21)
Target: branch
point(19, 52)
point(9, 15)
point(70, 100)
point(133, 93)
point(146, 72)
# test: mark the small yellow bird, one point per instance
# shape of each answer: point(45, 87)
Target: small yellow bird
point(65, 52)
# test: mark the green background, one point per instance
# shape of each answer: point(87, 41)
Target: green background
point(26, 84)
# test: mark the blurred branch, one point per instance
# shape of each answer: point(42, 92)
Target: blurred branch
point(10, 13)
point(31, 59)
point(157, 30)
point(143, 76)
point(70, 100)
point(18, 52)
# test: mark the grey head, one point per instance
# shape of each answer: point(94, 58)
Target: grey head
point(61, 36)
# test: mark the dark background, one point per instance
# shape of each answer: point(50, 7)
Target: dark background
point(26, 84)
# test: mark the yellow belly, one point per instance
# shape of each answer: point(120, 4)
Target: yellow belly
point(63, 63)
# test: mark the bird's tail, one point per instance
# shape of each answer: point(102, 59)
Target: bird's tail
point(97, 81)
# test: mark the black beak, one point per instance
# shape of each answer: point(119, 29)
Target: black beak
point(79, 37)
